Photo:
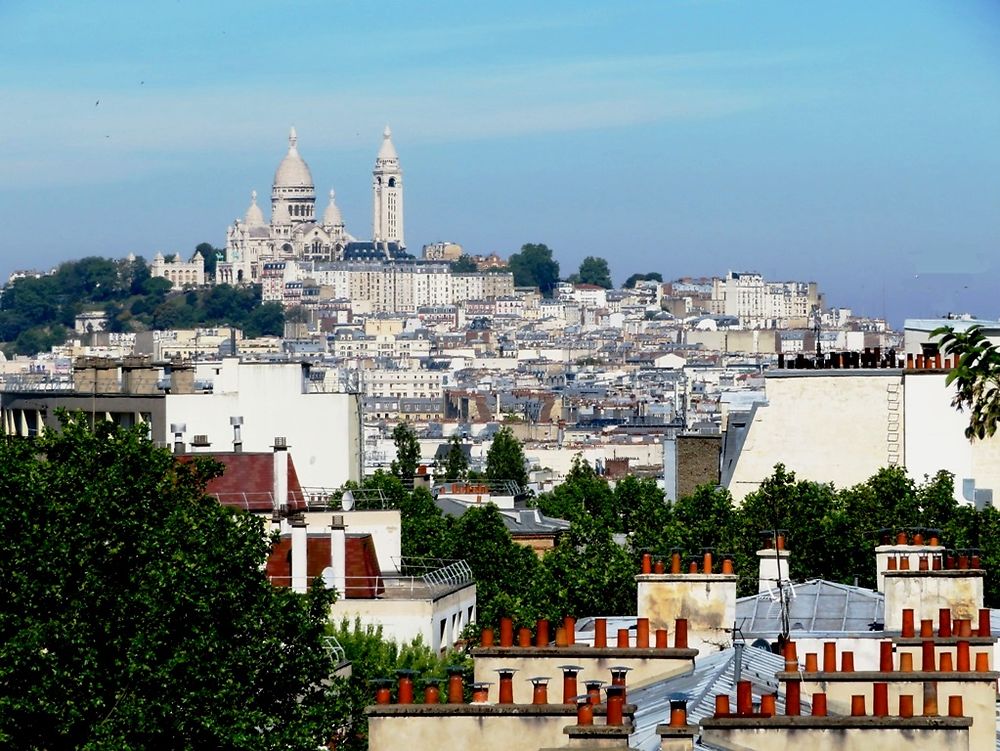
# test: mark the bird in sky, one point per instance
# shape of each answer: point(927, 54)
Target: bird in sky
point(97, 102)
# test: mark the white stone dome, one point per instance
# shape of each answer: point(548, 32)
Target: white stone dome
point(332, 217)
point(254, 217)
point(293, 172)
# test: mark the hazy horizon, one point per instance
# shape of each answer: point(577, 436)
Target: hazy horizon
point(849, 144)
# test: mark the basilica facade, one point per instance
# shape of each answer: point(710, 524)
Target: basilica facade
point(294, 231)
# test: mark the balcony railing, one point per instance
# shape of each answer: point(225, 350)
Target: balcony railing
point(418, 578)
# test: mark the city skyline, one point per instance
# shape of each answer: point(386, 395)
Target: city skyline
point(853, 146)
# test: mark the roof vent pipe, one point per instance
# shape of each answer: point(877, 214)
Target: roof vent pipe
point(237, 423)
point(178, 429)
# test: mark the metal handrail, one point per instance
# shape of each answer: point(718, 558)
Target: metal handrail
point(456, 574)
point(325, 499)
point(258, 498)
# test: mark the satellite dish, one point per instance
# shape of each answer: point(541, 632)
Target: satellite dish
point(328, 577)
point(347, 501)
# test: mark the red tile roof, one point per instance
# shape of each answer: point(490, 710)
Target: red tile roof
point(364, 579)
point(248, 480)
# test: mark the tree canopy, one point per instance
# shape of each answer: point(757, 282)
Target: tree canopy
point(211, 256)
point(652, 276)
point(135, 611)
point(505, 458)
point(456, 463)
point(464, 265)
point(594, 270)
point(37, 313)
point(976, 376)
point(534, 266)
point(404, 466)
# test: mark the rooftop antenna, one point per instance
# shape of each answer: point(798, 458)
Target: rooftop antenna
point(782, 594)
point(817, 325)
point(739, 644)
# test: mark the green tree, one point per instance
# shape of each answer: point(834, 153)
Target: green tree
point(652, 276)
point(424, 529)
point(267, 319)
point(211, 255)
point(588, 572)
point(502, 569)
point(372, 656)
point(582, 493)
point(505, 459)
point(976, 377)
point(135, 611)
point(534, 266)
point(463, 265)
point(404, 466)
point(594, 270)
point(456, 463)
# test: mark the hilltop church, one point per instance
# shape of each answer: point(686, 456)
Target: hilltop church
point(295, 233)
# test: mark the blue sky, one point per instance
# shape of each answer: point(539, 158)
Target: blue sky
point(856, 144)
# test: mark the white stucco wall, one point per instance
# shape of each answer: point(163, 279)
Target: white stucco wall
point(824, 427)
point(438, 622)
point(321, 429)
point(935, 437)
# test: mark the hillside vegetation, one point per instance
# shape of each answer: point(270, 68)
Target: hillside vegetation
point(38, 313)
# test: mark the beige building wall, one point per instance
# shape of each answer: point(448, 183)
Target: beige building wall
point(838, 733)
point(826, 426)
point(707, 601)
point(978, 692)
point(927, 592)
point(470, 726)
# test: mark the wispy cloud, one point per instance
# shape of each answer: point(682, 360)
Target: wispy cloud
point(55, 136)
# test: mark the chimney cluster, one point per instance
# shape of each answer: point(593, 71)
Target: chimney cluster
point(948, 626)
point(746, 708)
point(963, 559)
point(910, 536)
point(871, 358)
point(586, 703)
point(930, 362)
point(679, 564)
point(565, 635)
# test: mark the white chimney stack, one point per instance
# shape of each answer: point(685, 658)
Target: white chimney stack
point(773, 563)
point(279, 487)
point(338, 555)
point(300, 580)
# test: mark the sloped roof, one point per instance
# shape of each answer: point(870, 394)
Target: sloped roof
point(814, 606)
point(712, 674)
point(517, 521)
point(248, 480)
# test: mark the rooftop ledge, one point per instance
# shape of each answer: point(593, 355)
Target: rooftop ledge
point(584, 650)
point(951, 573)
point(942, 641)
point(875, 676)
point(686, 578)
point(486, 710)
point(803, 722)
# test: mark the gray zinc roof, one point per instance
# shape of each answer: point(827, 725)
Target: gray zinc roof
point(815, 606)
point(713, 674)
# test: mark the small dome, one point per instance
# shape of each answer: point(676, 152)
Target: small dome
point(254, 217)
point(293, 172)
point(332, 217)
point(387, 152)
